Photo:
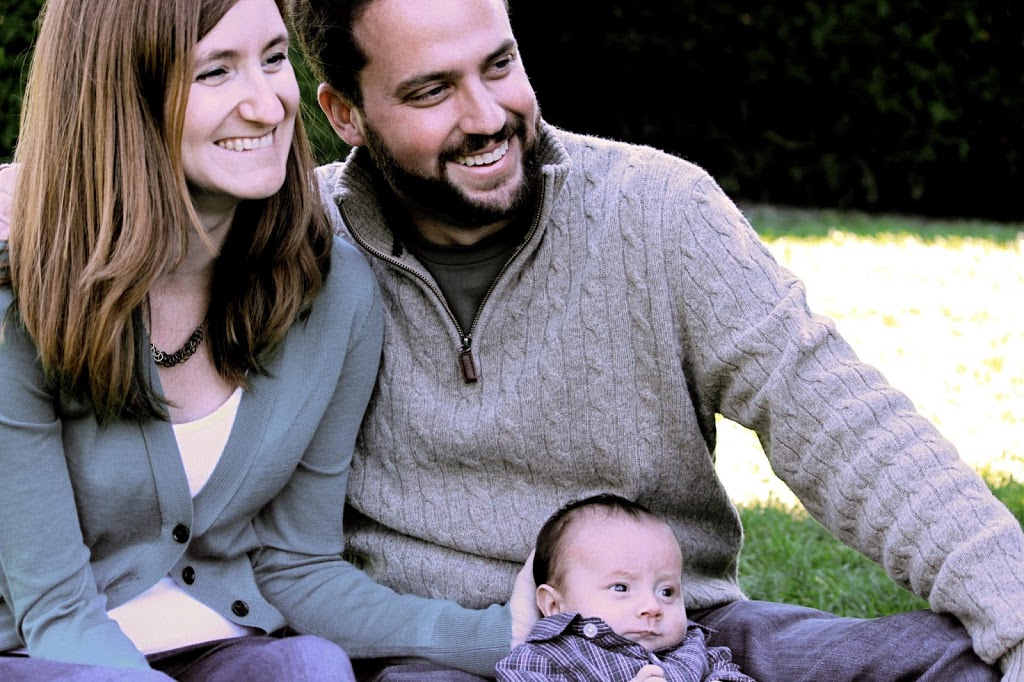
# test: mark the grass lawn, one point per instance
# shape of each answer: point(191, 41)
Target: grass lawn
point(935, 305)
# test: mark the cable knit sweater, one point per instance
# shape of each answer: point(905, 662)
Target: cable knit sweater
point(641, 305)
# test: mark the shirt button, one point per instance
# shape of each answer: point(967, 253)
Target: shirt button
point(240, 608)
point(180, 533)
point(188, 575)
point(590, 630)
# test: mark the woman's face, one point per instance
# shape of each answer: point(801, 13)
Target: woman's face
point(241, 109)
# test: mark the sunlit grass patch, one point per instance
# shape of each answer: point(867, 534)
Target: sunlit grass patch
point(935, 305)
point(789, 557)
point(773, 222)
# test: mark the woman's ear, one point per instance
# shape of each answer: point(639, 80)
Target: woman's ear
point(342, 114)
point(549, 600)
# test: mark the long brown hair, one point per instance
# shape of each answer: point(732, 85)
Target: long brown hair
point(102, 207)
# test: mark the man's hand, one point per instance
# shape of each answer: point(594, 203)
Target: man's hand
point(523, 603)
point(649, 673)
point(7, 177)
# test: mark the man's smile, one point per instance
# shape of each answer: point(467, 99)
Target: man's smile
point(483, 159)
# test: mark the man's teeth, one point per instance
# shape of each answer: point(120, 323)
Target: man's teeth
point(481, 159)
point(244, 144)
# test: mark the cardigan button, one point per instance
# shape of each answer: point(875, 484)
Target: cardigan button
point(240, 608)
point(188, 575)
point(180, 533)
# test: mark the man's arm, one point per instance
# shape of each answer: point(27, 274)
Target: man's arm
point(854, 449)
point(8, 175)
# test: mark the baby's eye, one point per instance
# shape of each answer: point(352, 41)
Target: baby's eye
point(668, 592)
point(620, 587)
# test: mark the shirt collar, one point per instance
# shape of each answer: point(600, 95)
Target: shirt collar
point(595, 630)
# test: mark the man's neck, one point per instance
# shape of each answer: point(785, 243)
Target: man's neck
point(441, 233)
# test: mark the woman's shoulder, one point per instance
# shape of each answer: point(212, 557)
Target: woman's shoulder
point(351, 287)
point(350, 265)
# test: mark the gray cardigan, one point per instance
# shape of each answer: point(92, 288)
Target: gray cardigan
point(641, 305)
point(90, 517)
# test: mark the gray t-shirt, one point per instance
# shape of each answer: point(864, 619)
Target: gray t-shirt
point(465, 273)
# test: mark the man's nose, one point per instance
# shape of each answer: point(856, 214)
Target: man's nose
point(482, 114)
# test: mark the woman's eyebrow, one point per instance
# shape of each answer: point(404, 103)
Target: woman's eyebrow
point(228, 54)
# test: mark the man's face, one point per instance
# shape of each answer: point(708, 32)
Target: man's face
point(627, 573)
point(448, 114)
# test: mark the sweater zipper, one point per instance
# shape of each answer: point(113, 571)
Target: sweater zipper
point(467, 359)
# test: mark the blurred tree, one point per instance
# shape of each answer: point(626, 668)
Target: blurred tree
point(866, 104)
point(17, 31)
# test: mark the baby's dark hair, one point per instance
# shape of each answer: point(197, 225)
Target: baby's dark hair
point(552, 536)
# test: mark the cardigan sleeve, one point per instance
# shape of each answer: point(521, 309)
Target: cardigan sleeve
point(299, 568)
point(855, 451)
point(45, 578)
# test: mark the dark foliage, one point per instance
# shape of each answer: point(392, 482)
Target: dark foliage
point(862, 104)
point(17, 31)
point(866, 104)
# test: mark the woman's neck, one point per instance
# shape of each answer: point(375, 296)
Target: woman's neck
point(183, 295)
point(202, 252)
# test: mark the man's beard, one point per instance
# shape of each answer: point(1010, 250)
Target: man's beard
point(442, 198)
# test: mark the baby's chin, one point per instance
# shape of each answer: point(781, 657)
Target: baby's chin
point(653, 641)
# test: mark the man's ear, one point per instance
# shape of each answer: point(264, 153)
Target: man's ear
point(342, 114)
point(549, 600)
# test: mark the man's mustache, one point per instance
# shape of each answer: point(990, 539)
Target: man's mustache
point(472, 144)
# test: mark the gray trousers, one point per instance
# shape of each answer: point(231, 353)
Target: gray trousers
point(782, 643)
point(253, 659)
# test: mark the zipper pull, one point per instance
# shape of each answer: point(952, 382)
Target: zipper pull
point(467, 362)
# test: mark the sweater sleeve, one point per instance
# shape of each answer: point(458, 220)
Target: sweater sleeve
point(854, 449)
point(45, 577)
point(300, 570)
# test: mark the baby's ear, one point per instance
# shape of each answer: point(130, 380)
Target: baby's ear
point(549, 601)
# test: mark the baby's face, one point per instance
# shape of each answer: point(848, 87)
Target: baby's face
point(627, 573)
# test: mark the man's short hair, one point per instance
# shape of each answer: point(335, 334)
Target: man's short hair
point(324, 30)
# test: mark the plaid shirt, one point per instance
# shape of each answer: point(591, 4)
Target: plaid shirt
point(570, 648)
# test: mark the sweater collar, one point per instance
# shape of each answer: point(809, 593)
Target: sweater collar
point(598, 631)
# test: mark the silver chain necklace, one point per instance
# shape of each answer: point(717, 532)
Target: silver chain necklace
point(182, 354)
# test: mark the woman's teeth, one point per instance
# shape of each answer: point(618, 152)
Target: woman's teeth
point(244, 144)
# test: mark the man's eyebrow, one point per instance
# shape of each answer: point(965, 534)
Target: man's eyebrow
point(228, 54)
point(508, 46)
point(422, 79)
